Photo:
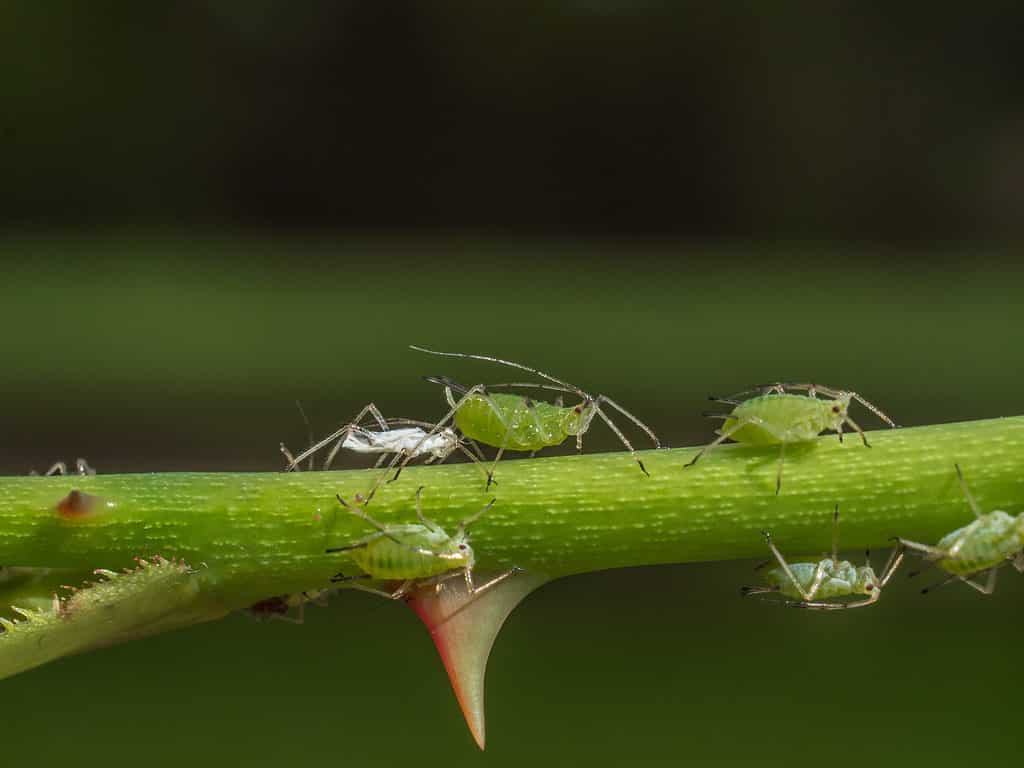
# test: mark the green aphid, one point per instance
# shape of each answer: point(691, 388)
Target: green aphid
point(982, 547)
point(824, 585)
point(513, 422)
point(414, 554)
point(774, 416)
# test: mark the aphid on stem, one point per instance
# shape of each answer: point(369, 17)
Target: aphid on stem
point(407, 438)
point(982, 547)
point(516, 422)
point(417, 555)
point(822, 585)
point(776, 416)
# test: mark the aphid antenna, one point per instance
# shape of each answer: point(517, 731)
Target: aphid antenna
point(464, 524)
point(533, 385)
point(715, 415)
point(364, 516)
point(444, 381)
point(725, 400)
point(967, 492)
point(419, 512)
point(873, 408)
point(509, 363)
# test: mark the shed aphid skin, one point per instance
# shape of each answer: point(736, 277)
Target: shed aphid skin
point(404, 438)
point(516, 422)
point(823, 585)
point(980, 548)
point(776, 416)
point(415, 554)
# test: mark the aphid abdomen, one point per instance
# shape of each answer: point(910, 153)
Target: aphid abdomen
point(986, 542)
point(384, 558)
point(520, 426)
point(783, 418)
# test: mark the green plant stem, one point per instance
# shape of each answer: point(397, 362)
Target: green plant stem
point(266, 534)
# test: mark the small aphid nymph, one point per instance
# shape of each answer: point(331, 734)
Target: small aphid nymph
point(980, 548)
point(776, 416)
point(414, 554)
point(514, 422)
point(824, 585)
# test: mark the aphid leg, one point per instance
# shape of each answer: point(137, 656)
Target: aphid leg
point(990, 584)
point(938, 584)
point(930, 552)
point(823, 606)
point(478, 389)
point(83, 469)
point(967, 492)
point(789, 573)
point(650, 432)
point(60, 468)
point(860, 431)
point(1018, 562)
point(618, 432)
point(288, 457)
point(476, 590)
point(403, 589)
point(895, 558)
point(725, 435)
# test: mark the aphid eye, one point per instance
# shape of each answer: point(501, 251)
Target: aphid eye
point(578, 409)
point(869, 587)
point(462, 546)
point(835, 409)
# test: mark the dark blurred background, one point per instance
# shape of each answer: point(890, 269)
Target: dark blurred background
point(212, 209)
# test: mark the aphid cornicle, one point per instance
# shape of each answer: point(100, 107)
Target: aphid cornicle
point(823, 585)
point(981, 547)
point(404, 438)
point(414, 554)
point(513, 422)
point(775, 416)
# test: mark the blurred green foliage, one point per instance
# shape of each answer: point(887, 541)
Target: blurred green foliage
point(147, 353)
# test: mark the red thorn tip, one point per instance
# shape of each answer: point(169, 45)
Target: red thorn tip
point(464, 628)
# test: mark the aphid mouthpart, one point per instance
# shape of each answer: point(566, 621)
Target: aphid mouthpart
point(774, 414)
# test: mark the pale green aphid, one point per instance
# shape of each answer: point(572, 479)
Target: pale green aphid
point(985, 545)
point(518, 423)
point(414, 554)
point(774, 416)
point(823, 585)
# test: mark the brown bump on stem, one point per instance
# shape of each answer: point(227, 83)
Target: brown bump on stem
point(77, 504)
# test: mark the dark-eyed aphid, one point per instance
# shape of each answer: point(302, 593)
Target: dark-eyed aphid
point(513, 422)
point(980, 548)
point(775, 416)
point(414, 554)
point(279, 607)
point(824, 585)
